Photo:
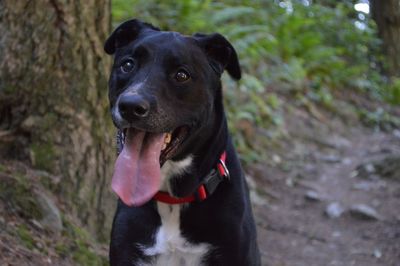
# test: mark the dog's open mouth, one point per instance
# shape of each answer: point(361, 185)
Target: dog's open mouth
point(172, 142)
point(137, 174)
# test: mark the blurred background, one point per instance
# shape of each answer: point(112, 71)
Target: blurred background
point(315, 118)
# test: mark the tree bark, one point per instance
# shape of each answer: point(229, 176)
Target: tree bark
point(53, 98)
point(386, 14)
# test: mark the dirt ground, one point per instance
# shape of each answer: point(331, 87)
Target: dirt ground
point(303, 196)
point(321, 165)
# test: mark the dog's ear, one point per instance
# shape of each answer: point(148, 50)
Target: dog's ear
point(221, 53)
point(126, 33)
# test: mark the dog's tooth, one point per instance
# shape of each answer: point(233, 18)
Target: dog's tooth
point(168, 138)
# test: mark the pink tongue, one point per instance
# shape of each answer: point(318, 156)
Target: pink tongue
point(137, 176)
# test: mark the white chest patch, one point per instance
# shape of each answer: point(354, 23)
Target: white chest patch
point(170, 247)
point(171, 168)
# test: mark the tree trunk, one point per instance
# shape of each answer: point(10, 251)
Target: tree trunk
point(386, 14)
point(53, 98)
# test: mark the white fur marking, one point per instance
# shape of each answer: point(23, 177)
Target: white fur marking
point(170, 247)
point(133, 88)
point(171, 168)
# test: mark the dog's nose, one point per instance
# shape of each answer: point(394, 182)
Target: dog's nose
point(133, 107)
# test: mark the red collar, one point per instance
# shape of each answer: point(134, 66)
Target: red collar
point(206, 188)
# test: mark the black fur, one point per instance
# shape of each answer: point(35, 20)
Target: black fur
point(225, 219)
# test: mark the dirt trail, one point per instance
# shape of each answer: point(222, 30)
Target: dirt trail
point(321, 161)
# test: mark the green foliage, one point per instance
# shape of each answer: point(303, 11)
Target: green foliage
point(79, 248)
point(303, 50)
point(392, 91)
point(25, 236)
point(190, 15)
point(380, 119)
point(17, 191)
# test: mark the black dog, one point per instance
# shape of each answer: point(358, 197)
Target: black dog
point(166, 99)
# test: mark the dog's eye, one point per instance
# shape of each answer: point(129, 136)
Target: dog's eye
point(127, 66)
point(182, 76)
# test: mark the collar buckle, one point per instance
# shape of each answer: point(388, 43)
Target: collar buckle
point(211, 181)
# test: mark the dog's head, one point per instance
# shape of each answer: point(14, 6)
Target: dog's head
point(161, 90)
